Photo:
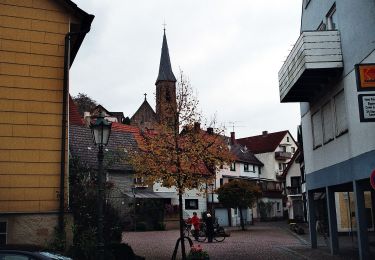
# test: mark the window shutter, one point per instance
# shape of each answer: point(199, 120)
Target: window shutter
point(317, 129)
point(327, 123)
point(340, 114)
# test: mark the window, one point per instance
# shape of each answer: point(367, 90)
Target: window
point(167, 95)
point(191, 204)
point(295, 181)
point(322, 27)
point(246, 167)
point(317, 129)
point(280, 166)
point(287, 138)
point(340, 114)
point(233, 166)
point(327, 123)
point(3, 233)
point(283, 148)
point(331, 18)
point(221, 182)
point(307, 3)
point(293, 149)
point(278, 206)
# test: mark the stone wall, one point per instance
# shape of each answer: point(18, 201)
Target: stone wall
point(35, 229)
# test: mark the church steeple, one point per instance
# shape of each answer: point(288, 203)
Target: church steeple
point(165, 68)
point(166, 104)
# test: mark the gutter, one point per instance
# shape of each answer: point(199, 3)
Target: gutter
point(67, 64)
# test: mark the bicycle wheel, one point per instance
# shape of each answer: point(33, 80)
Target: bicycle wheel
point(187, 232)
point(219, 235)
point(201, 236)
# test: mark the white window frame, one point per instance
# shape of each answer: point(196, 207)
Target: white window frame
point(246, 167)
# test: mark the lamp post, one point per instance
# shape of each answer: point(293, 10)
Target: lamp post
point(101, 130)
point(134, 207)
point(212, 197)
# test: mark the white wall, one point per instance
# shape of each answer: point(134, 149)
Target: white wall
point(359, 139)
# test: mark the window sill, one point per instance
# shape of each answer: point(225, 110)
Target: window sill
point(316, 147)
point(328, 141)
point(342, 133)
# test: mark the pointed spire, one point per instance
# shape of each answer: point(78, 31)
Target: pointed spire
point(165, 68)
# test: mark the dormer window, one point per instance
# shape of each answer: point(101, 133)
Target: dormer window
point(233, 166)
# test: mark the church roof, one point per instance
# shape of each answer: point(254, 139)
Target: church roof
point(165, 68)
point(144, 107)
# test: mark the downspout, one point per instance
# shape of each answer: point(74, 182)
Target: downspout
point(64, 125)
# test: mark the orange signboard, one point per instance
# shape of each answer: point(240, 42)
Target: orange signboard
point(366, 77)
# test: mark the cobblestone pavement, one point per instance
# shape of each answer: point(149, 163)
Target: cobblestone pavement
point(261, 241)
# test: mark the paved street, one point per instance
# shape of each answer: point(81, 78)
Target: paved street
point(261, 241)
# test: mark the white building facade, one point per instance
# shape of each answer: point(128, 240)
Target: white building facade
point(330, 70)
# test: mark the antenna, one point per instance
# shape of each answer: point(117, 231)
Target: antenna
point(233, 124)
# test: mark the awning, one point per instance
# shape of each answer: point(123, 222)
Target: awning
point(151, 195)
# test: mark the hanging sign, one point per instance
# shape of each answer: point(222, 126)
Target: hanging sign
point(365, 77)
point(372, 179)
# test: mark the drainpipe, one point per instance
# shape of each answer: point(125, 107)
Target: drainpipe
point(64, 124)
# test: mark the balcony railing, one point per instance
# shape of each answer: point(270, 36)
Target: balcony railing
point(294, 190)
point(271, 186)
point(315, 59)
point(283, 155)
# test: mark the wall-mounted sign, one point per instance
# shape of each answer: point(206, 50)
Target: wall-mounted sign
point(365, 77)
point(366, 104)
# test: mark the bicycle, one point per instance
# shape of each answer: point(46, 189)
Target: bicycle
point(219, 233)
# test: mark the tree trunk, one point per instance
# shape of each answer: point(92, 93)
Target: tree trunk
point(241, 219)
point(181, 225)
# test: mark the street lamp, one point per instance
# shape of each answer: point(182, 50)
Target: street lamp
point(101, 130)
point(212, 197)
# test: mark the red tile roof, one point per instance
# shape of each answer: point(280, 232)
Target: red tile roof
point(263, 143)
point(118, 127)
point(74, 116)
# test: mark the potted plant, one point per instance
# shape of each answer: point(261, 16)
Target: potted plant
point(197, 252)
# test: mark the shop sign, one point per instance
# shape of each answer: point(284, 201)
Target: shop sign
point(366, 103)
point(365, 77)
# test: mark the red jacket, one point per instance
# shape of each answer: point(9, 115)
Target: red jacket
point(195, 221)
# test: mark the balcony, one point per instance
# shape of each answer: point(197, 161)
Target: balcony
point(296, 190)
point(282, 155)
point(314, 61)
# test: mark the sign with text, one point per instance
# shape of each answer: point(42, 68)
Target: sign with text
point(366, 104)
point(365, 77)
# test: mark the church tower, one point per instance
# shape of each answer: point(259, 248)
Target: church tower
point(165, 87)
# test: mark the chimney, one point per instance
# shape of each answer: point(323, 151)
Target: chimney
point(210, 130)
point(87, 118)
point(197, 126)
point(265, 133)
point(232, 138)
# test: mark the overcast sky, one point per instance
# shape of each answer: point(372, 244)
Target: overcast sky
point(230, 50)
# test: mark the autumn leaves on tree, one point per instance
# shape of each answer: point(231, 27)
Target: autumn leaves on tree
point(177, 153)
